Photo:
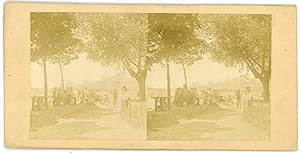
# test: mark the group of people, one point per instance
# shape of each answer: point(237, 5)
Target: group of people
point(185, 96)
point(123, 101)
point(63, 96)
point(208, 97)
point(119, 99)
point(244, 100)
point(188, 96)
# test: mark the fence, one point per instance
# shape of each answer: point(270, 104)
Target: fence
point(259, 113)
point(134, 112)
point(40, 102)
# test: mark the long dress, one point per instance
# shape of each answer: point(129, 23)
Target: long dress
point(124, 104)
point(247, 104)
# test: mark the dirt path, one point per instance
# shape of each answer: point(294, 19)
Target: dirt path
point(229, 126)
point(97, 124)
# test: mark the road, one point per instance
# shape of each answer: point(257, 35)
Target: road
point(100, 123)
point(224, 123)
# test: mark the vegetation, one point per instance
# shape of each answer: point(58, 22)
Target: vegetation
point(119, 39)
point(52, 41)
point(172, 38)
point(137, 41)
point(240, 40)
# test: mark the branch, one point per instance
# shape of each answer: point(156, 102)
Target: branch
point(253, 70)
point(129, 60)
point(139, 63)
point(139, 69)
point(257, 63)
point(129, 69)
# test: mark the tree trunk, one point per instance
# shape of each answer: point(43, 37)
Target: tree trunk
point(142, 95)
point(263, 76)
point(142, 88)
point(168, 83)
point(184, 71)
point(45, 81)
point(62, 77)
point(266, 89)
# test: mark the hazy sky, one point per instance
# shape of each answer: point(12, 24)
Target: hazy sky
point(84, 70)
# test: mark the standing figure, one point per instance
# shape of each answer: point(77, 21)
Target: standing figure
point(185, 95)
point(209, 96)
point(80, 92)
point(115, 97)
point(190, 97)
point(238, 99)
point(196, 97)
point(68, 96)
point(229, 99)
point(55, 96)
point(74, 99)
point(248, 103)
point(83, 96)
point(125, 106)
point(60, 96)
point(178, 97)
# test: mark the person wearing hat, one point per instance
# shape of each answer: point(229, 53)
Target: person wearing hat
point(248, 102)
point(125, 106)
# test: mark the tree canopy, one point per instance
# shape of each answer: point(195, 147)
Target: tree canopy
point(173, 36)
point(119, 39)
point(240, 40)
point(52, 36)
point(136, 41)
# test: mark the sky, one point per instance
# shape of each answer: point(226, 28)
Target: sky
point(82, 70)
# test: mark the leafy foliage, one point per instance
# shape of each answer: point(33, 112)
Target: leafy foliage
point(239, 40)
point(116, 37)
point(137, 41)
point(52, 37)
point(172, 37)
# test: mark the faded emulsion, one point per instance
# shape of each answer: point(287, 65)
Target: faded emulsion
point(150, 76)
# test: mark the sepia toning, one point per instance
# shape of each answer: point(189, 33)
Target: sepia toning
point(150, 76)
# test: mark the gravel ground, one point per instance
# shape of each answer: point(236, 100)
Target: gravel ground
point(201, 122)
point(83, 121)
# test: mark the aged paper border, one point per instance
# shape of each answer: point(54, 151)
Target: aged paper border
point(17, 76)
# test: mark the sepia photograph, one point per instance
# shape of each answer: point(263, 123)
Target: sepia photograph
point(150, 76)
point(217, 75)
point(156, 77)
point(88, 75)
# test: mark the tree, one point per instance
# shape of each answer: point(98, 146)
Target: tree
point(62, 58)
point(51, 34)
point(114, 39)
point(241, 40)
point(185, 60)
point(172, 39)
